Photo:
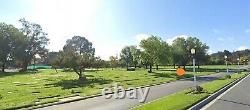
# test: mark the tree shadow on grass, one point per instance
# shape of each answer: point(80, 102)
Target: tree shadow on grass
point(87, 70)
point(203, 78)
point(75, 83)
point(171, 75)
point(185, 76)
point(197, 69)
point(93, 70)
point(206, 69)
point(166, 70)
point(165, 75)
point(5, 74)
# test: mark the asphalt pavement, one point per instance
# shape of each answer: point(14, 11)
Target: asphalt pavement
point(236, 98)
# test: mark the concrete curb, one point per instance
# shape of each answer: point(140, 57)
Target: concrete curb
point(62, 102)
point(210, 98)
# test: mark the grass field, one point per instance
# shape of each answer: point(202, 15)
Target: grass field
point(44, 86)
point(184, 99)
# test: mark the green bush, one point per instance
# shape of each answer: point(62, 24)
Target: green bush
point(228, 77)
point(130, 69)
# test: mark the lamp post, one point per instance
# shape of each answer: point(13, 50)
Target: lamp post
point(238, 59)
point(193, 52)
point(226, 62)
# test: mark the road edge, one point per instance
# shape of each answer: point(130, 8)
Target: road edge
point(210, 98)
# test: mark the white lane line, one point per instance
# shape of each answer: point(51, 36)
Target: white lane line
point(212, 102)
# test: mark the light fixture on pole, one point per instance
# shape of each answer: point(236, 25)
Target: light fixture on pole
point(238, 59)
point(193, 52)
point(226, 62)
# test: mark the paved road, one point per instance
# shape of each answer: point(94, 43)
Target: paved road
point(155, 92)
point(237, 98)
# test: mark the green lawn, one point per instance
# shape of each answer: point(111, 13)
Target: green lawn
point(26, 89)
point(184, 99)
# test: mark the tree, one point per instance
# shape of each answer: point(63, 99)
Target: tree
point(145, 59)
point(98, 63)
point(80, 45)
point(78, 54)
point(136, 55)
point(130, 55)
point(179, 52)
point(200, 50)
point(55, 59)
point(126, 56)
point(164, 55)
point(217, 58)
point(8, 36)
point(35, 42)
point(50, 56)
point(154, 50)
point(113, 62)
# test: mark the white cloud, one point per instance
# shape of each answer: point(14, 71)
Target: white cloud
point(140, 37)
point(227, 39)
point(210, 52)
point(216, 31)
point(220, 39)
point(242, 48)
point(170, 40)
point(247, 31)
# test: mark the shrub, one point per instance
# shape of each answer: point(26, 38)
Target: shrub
point(228, 77)
point(131, 69)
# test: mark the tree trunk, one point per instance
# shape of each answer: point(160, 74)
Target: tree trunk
point(56, 70)
point(150, 68)
point(24, 66)
point(82, 77)
point(174, 65)
point(3, 67)
point(157, 67)
point(34, 64)
point(198, 65)
point(135, 65)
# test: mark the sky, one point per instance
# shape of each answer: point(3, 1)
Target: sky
point(112, 24)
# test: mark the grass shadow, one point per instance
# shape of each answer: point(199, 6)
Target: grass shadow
point(87, 70)
point(197, 69)
point(165, 75)
point(95, 70)
point(75, 83)
point(5, 74)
